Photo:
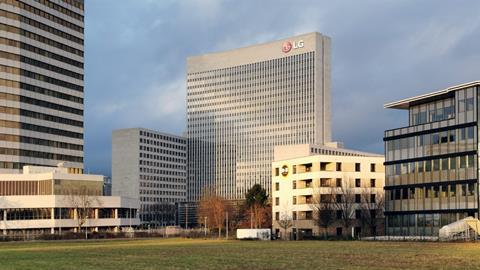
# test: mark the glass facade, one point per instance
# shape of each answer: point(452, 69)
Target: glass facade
point(432, 165)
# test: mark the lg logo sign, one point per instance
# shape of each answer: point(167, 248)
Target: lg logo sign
point(284, 170)
point(288, 46)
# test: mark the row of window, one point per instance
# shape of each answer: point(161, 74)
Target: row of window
point(163, 178)
point(164, 172)
point(158, 199)
point(41, 116)
point(40, 90)
point(163, 158)
point(64, 213)
point(336, 214)
point(422, 224)
point(42, 129)
point(15, 165)
point(434, 191)
point(38, 154)
point(39, 38)
point(44, 14)
point(40, 64)
point(427, 166)
point(164, 192)
point(37, 141)
point(64, 10)
point(39, 25)
point(161, 185)
point(41, 103)
point(165, 151)
point(162, 165)
point(433, 112)
point(160, 137)
point(40, 77)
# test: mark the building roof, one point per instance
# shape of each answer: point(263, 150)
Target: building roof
point(404, 104)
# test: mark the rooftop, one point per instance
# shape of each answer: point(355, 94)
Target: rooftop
point(404, 104)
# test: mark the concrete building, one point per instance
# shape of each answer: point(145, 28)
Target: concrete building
point(432, 164)
point(243, 102)
point(51, 200)
point(41, 83)
point(150, 166)
point(326, 190)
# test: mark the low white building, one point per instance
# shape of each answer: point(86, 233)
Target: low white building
point(55, 199)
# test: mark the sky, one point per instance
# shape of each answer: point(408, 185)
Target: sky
point(382, 51)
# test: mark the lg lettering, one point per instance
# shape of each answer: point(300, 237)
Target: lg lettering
point(288, 46)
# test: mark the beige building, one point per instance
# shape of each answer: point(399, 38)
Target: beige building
point(243, 102)
point(55, 199)
point(318, 189)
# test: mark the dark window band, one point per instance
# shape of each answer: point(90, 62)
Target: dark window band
point(44, 14)
point(37, 141)
point(62, 9)
point(466, 153)
point(40, 77)
point(28, 47)
point(41, 64)
point(394, 213)
point(16, 165)
point(41, 116)
point(41, 129)
point(38, 154)
point(40, 90)
point(39, 38)
point(41, 26)
point(40, 103)
point(433, 130)
point(432, 184)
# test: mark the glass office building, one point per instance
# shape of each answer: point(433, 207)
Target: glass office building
point(432, 165)
point(243, 102)
point(41, 83)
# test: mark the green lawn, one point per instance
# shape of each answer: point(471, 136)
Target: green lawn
point(212, 254)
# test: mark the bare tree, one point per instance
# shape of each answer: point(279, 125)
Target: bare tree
point(323, 206)
point(285, 222)
point(214, 208)
point(83, 202)
point(371, 208)
point(345, 202)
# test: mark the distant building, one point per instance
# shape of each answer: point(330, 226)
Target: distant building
point(150, 166)
point(243, 102)
point(107, 186)
point(432, 164)
point(314, 187)
point(41, 83)
point(50, 199)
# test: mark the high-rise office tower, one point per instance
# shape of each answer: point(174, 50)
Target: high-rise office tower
point(243, 102)
point(432, 164)
point(41, 83)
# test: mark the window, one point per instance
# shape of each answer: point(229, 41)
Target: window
point(308, 215)
point(358, 198)
point(339, 182)
point(373, 198)
point(294, 169)
point(372, 183)
point(294, 199)
point(357, 167)
point(277, 171)
point(339, 166)
point(338, 198)
point(358, 182)
point(372, 167)
point(339, 214)
point(294, 215)
point(277, 201)
point(294, 184)
point(358, 214)
point(339, 231)
point(277, 186)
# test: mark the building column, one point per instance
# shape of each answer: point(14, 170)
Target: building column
point(5, 221)
point(52, 218)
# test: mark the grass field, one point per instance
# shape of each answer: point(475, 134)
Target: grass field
point(213, 254)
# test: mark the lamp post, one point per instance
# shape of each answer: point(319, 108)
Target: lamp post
point(205, 226)
point(86, 228)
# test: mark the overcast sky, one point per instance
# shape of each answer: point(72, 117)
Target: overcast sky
point(383, 50)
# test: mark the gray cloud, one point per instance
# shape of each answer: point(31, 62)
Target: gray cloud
point(382, 51)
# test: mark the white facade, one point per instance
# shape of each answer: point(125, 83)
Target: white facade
point(243, 102)
point(149, 166)
point(41, 83)
point(44, 199)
